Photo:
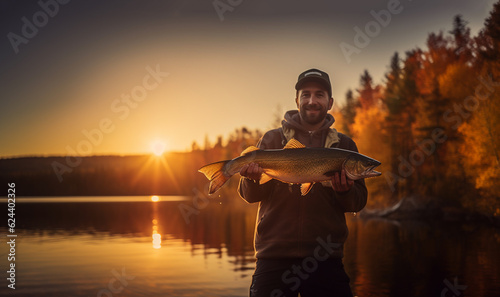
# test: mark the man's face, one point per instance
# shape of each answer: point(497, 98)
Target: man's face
point(313, 103)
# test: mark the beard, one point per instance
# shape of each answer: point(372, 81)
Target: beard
point(315, 118)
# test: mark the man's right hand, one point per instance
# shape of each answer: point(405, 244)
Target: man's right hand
point(252, 171)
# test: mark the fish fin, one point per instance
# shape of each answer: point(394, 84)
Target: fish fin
point(249, 150)
point(305, 188)
point(327, 184)
point(293, 144)
point(264, 178)
point(215, 174)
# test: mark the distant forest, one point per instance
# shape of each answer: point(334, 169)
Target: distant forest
point(434, 123)
point(174, 173)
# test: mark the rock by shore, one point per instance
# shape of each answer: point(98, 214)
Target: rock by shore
point(427, 208)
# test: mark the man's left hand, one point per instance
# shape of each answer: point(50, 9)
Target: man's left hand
point(341, 183)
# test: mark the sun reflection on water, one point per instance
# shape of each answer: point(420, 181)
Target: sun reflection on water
point(156, 235)
point(157, 241)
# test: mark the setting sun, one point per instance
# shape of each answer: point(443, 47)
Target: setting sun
point(158, 147)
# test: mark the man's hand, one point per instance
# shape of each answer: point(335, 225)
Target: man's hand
point(341, 183)
point(252, 171)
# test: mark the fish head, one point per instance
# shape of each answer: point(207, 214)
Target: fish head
point(358, 166)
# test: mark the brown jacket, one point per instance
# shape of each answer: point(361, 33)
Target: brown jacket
point(293, 226)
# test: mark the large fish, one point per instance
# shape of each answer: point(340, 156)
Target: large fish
point(293, 164)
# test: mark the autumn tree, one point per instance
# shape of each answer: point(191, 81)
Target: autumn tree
point(431, 105)
point(394, 121)
point(462, 41)
point(456, 84)
point(348, 112)
point(368, 131)
point(481, 145)
point(369, 95)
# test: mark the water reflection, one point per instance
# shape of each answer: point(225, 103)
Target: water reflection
point(217, 228)
point(156, 235)
point(76, 245)
point(419, 258)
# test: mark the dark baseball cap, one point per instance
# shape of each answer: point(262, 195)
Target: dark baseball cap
point(317, 76)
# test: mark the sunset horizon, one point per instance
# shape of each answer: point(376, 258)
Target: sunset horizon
point(189, 73)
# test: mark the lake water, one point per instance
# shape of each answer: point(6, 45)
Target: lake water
point(177, 246)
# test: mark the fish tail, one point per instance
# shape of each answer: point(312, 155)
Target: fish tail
point(215, 174)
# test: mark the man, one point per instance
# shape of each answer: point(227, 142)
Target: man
point(299, 239)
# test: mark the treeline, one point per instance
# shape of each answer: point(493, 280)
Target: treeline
point(434, 122)
point(170, 174)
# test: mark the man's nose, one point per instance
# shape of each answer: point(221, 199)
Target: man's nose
point(311, 100)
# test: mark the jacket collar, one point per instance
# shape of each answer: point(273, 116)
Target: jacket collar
point(291, 123)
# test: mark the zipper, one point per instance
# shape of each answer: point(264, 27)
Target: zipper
point(301, 223)
point(311, 135)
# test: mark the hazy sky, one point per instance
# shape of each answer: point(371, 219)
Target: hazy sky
point(114, 77)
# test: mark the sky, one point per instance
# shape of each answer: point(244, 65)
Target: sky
point(132, 77)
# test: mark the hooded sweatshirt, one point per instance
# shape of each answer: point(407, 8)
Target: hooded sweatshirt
point(290, 225)
point(316, 138)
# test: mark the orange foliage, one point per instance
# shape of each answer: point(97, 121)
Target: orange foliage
point(368, 133)
point(480, 150)
point(436, 91)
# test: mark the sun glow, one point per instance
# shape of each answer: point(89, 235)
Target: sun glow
point(155, 198)
point(158, 147)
